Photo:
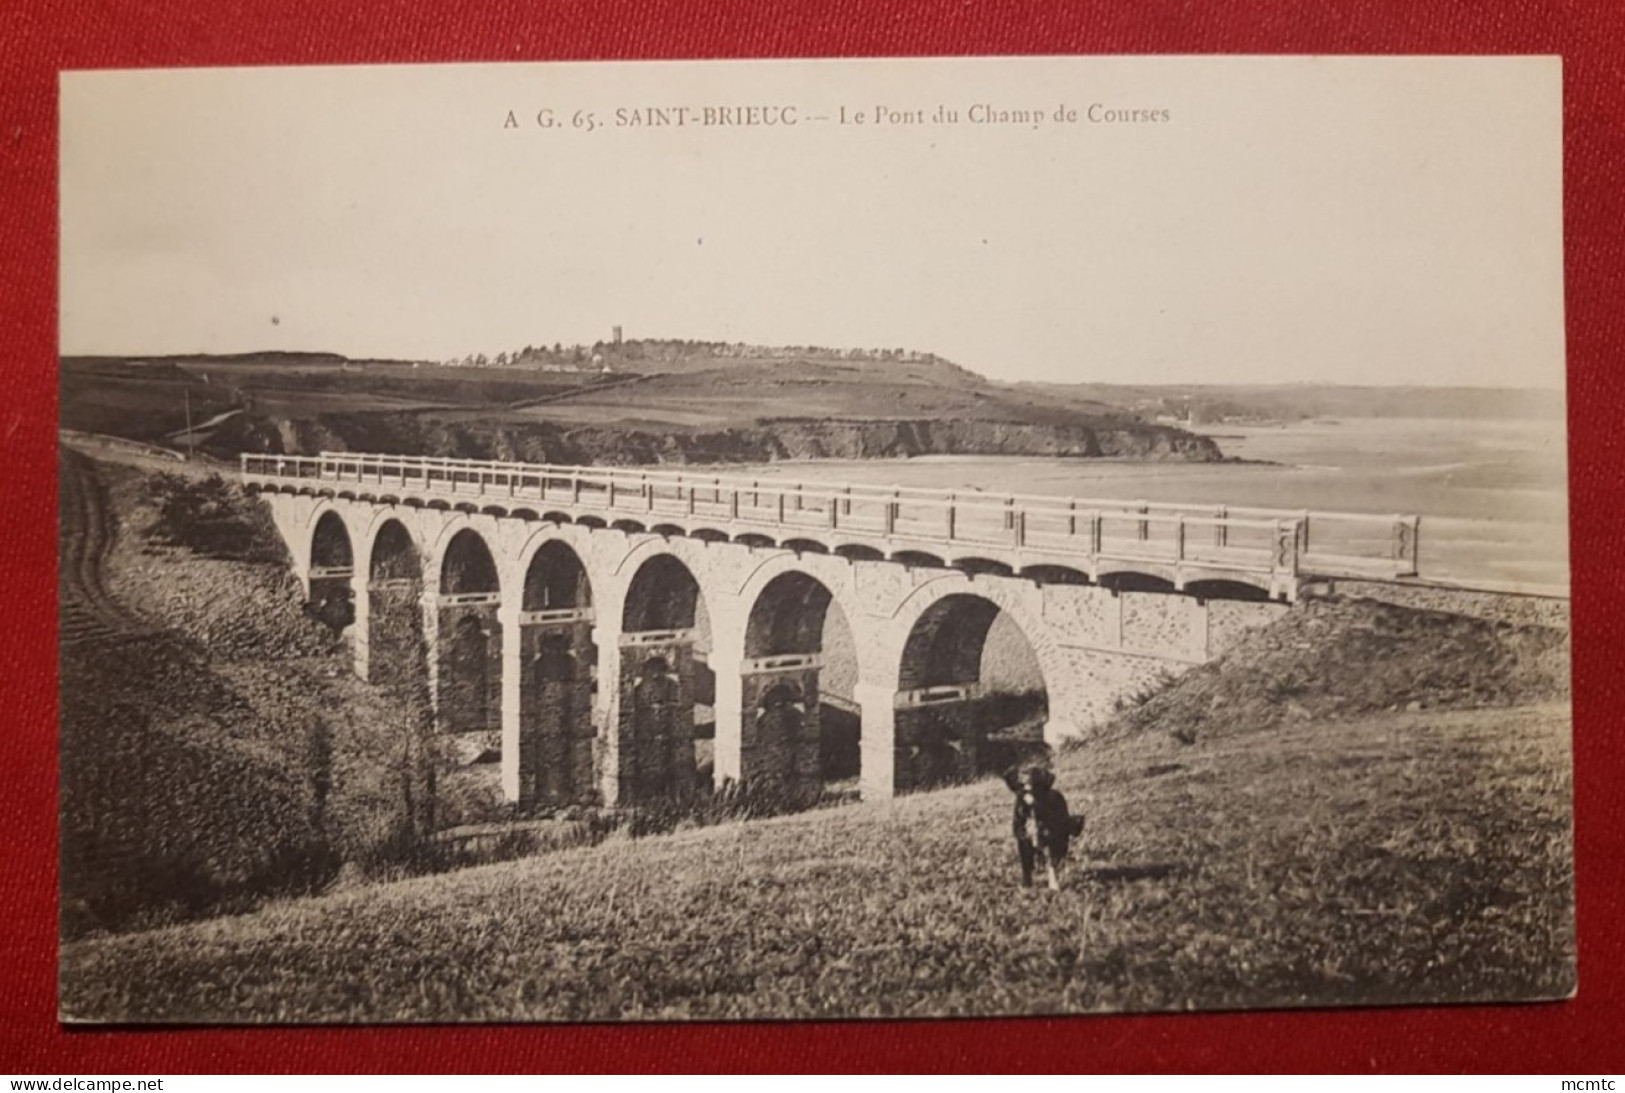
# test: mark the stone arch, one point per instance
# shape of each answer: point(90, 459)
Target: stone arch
point(661, 673)
point(394, 640)
point(393, 552)
point(974, 668)
point(558, 671)
point(621, 569)
point(332, 569)
point(468, 661)
point(466, 564)
point(1015, 598)
point(787, 615)
point(797, 638)
point(555, 577)
point(662, 594)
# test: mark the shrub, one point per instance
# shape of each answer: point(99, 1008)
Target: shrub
point(212, 517)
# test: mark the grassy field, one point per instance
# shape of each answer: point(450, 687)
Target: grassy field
point(1399, 857)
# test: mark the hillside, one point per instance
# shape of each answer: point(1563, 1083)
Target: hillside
point(215, 751)
point(1292, 867)
point(706, 408)
point(1353, 853)
point(1329, 660)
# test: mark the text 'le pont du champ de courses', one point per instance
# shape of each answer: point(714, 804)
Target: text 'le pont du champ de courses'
point(881, 115)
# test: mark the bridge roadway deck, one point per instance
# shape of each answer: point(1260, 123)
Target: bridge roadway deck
point(1098, 539)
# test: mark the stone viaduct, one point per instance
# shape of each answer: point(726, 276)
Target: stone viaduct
point(569, 620)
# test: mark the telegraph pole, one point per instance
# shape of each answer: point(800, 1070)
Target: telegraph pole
point(190, 454)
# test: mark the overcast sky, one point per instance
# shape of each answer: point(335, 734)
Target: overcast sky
point(1340, 220)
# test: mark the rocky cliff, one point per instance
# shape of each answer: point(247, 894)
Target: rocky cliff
point(764, 441)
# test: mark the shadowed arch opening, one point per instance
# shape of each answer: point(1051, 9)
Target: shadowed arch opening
point(394, 555)
point(1135, 582)
point(857, 552)
point(663, 595)
point(972, 697)
point(788, 616)
point(332, 562)
point(395, 651)
point(975, 566)
point(799, 643)
point(556, 579)
point(1226, 590)
point(470, 645)
point(468, 565)
point(1055, 574)
point(918, 559)
point(806, 546)
point(558, 678)
point(667, 689)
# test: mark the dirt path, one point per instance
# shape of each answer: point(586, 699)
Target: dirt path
point(89, 613)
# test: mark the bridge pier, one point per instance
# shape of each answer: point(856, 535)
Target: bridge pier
point(518, 779)
point(361, 627)
point(727, 754)
point(877, 709)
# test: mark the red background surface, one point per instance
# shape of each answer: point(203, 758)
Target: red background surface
point(39, 38)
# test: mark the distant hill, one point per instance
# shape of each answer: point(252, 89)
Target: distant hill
point(646, 402)
point(674, 355)
point(1199, 404)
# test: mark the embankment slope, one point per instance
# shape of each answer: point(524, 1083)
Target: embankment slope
point(1357, 854)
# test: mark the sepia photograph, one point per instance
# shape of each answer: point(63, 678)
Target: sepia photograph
point(818, 539)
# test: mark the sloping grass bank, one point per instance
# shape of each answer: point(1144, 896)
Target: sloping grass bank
point(1410, 856)
point(222, 754)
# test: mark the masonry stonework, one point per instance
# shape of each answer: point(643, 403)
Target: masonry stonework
point(632, 737)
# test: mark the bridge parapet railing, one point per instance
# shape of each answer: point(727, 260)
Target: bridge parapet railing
point(1246, 538)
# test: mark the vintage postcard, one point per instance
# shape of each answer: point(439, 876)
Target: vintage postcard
point(812, 539)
